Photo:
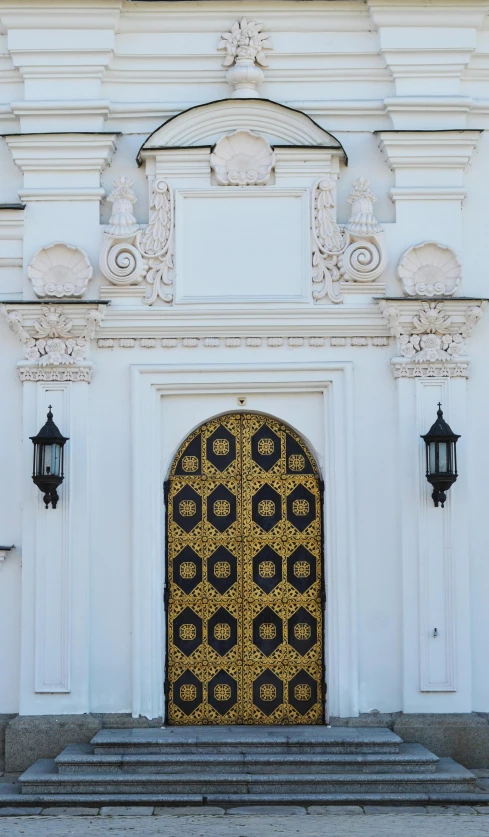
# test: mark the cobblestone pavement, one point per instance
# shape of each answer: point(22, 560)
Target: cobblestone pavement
point(281, 822)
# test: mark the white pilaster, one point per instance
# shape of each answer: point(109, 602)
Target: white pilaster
point(429, 184)
point(62, 189)
point(55, 560)
point(435, 556)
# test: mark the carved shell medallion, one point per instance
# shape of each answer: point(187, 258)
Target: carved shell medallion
point(242, 159)
point(429, 269)
point(60, 270)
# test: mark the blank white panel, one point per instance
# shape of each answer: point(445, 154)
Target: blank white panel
point(242, 245)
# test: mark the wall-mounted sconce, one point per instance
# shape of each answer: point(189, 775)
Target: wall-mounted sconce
point(48, 467)
point(441, 458)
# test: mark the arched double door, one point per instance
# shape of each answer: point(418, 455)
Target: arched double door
point(244, 577)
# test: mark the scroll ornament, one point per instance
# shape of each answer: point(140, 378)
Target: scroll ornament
point(130, 254)
point(352, 253)
point(53, 342)
point(431, 336)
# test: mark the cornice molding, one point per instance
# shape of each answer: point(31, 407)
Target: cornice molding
point(128, 321)
point(73, 152)
point(431, 149)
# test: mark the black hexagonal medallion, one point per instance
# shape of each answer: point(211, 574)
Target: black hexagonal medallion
point(266, 508)
point(190, 462)
point(187, 692)
point(296, 460)
point(187, 508)
point(301, 569)
point(265, 447)
point(222, 569)
point(221, 448)
point(267, 631)
point(267, 569)
point(187, 569)
point(187, 631)
point(303, 692)
point(222, 692)
point(268, 692)
point(222, 631)
point(302, 631)
point(301, 507)
point(221, 508)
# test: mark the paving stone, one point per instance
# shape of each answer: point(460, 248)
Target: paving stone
point(395, 809)
point(127, 811)
point(19, 812)
point(272, 810)
point(70, 812)
point(190, 811)
point(335, 809)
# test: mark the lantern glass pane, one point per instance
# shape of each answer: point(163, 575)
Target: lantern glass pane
point(443, 457)
point(52, 460)
point(432, 461)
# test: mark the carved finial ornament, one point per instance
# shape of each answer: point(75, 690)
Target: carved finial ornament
point(245, 47)
point(354, 252)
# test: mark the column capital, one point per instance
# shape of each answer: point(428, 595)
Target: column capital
point(56, 338)
point(431, 335)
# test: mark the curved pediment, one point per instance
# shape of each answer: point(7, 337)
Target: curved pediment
point(203, 125)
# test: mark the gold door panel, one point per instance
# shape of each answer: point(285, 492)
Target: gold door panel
point(244, 547)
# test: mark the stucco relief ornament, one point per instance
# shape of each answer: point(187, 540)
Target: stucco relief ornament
point(120, 260)
point(242, 159)
point(130, 254)
point(60, 270)
point(354, 252)
point(245, 47)
point(429, 269)
point(432, 336)
point(53, 342)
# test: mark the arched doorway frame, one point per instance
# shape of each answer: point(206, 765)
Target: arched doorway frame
point(150, 385)
point(320, 601)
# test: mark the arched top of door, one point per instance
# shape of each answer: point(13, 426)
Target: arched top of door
point(203, 125)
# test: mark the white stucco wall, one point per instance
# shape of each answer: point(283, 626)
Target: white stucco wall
point(89, 82)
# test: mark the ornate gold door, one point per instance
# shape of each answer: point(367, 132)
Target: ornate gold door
point(244, 577)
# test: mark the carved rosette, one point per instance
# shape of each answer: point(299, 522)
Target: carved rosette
point(352, 253)
point(52, 343)
point(129, 254)
point(432, 337)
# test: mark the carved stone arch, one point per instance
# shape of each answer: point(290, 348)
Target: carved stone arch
point(203, 125)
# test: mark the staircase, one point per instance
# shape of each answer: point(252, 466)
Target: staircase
point(237, 764)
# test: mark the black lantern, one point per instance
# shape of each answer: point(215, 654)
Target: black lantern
point(47, 471)
point(441, 458)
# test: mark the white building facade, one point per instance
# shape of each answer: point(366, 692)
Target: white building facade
point(215, 209)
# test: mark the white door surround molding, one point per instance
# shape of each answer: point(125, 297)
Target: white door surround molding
point(151, 459)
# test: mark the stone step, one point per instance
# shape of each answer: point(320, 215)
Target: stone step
point(222, 739)
point(43, 777)
point(81, 758)
point(434, 798)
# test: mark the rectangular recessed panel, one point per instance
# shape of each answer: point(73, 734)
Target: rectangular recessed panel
point(242, 245)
